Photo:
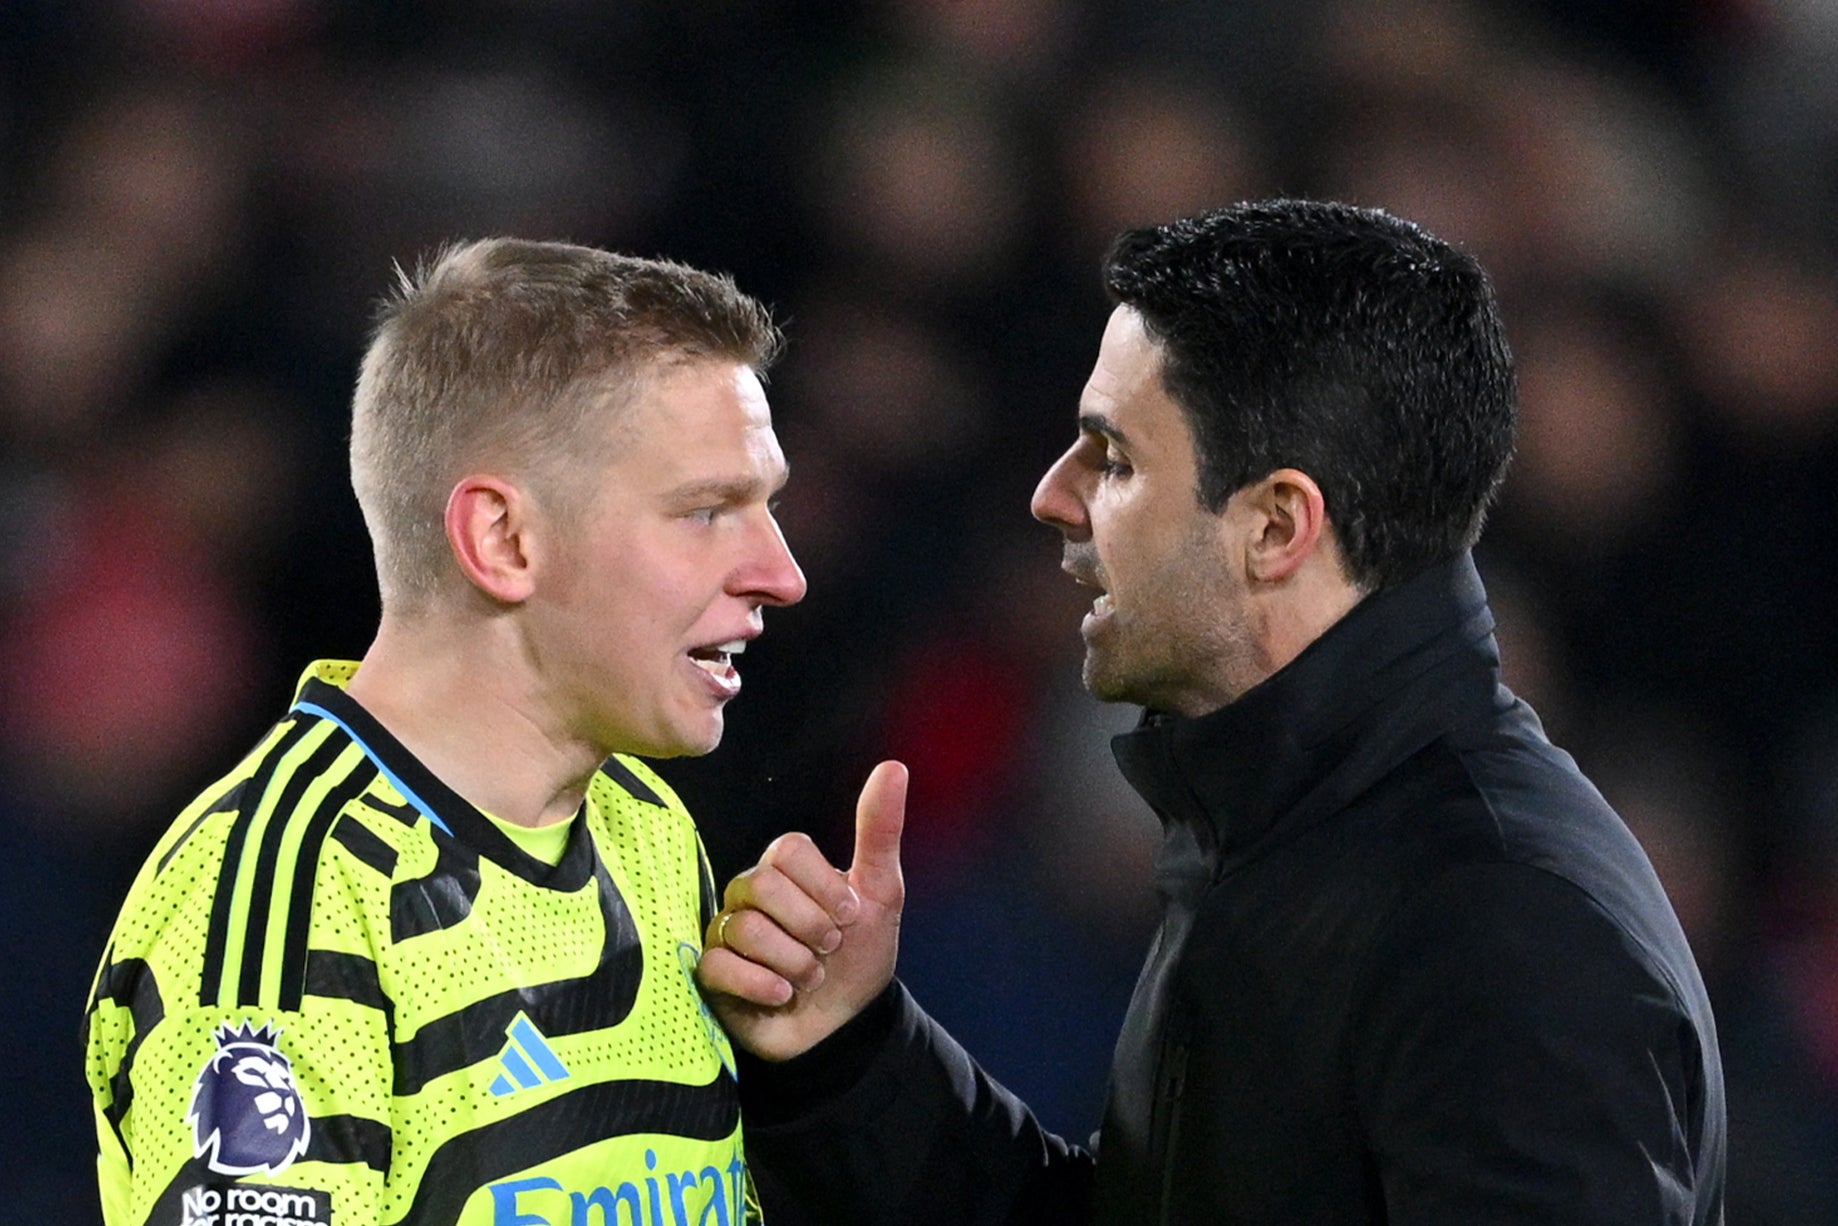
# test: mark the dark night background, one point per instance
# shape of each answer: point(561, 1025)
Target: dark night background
point(200, 199)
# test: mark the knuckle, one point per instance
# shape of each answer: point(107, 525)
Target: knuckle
point(792, 843)
point(789, 849)
point(792, 959)
point(738, 888)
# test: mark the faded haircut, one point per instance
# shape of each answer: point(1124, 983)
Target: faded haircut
point(512, 354)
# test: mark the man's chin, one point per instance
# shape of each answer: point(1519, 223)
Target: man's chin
point(681, 742)
point(1103, 684)
point(698, 747)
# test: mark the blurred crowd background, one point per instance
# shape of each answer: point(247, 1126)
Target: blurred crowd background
point(201, 199)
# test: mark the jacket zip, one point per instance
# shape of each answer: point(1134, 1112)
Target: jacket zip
point(1174, 1086)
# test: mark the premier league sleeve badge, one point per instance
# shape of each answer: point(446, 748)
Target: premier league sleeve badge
point(246, 1114)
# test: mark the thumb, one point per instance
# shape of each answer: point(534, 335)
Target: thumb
point(880, 815)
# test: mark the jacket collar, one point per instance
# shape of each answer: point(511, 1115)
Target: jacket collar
point(1401, 668)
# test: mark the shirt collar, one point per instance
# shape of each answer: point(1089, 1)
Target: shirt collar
point(321, 694)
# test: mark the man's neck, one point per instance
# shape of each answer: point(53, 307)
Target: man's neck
point(1285, 626)
point(466, 705)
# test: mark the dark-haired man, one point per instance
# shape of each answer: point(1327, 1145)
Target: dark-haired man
point(1412, 968)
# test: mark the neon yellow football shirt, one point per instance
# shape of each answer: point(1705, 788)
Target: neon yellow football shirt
point(338, 993)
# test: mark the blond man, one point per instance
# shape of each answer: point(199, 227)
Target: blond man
point(426, 954)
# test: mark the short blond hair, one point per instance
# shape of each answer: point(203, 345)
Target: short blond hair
point(511, 353)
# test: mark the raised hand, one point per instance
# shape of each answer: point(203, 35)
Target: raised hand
point(799, 946)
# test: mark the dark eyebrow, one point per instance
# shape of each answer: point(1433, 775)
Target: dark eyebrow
point(1097, 423)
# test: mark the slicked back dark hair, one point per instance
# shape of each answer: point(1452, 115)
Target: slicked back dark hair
point(1341, 341)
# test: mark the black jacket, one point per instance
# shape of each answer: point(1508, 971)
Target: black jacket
point(1412, 969)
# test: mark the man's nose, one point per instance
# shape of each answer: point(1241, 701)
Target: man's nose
point(1056, 500)
point(774, 578)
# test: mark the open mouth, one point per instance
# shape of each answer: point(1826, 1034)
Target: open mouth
point(718, 660)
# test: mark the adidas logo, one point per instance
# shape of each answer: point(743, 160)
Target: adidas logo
point(527, 1058)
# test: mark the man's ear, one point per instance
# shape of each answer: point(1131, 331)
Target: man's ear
point(488, 529)
point(1289, 523)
